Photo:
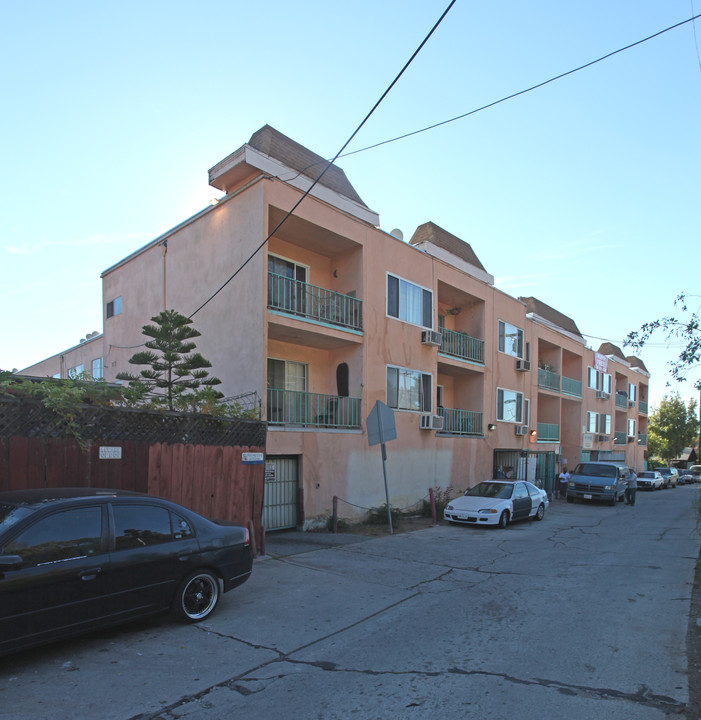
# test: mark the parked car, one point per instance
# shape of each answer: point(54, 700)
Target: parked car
point(670, 476)
point(650, 480)
point(498, 502)
point(599, 480)
point(686, 478)
point(73, 560)
point(695, 471)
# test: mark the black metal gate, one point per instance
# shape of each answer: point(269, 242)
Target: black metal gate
point(280, 494)
point(539, 468)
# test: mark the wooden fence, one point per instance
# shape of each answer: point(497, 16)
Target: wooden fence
point(210, 479)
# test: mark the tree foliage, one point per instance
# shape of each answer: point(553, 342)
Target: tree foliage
point(671, 428)
point(686, 328)
point(176, 378)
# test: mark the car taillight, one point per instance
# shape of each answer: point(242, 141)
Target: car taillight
point(247, 537)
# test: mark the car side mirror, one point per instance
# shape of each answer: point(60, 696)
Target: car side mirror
point(10, 562)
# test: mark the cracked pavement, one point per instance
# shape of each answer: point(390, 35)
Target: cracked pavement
point(582, 615)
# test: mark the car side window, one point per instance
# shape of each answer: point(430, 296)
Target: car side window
point(520, 491)
point(65, 535)
point(137, 526)
point(181, 527)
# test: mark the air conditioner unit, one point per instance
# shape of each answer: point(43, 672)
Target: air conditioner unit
point(604, 438)
point(631, 439)
point(523, 365)
point(437, 422)
point(431, 337)
point(602, 395)
point(425, 421)
point(521, 429)
point(631, 403)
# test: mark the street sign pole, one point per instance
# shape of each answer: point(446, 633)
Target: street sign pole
point(381, 428)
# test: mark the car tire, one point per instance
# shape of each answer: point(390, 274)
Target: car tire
point(570, 499)
point(504, 519)
point(196, 597)
point(539, 513)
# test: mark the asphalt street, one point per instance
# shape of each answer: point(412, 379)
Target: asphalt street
point(583, 615)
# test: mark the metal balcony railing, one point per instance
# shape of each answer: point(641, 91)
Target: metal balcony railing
point(642, 406)
point(291, 407)
point(642, 439)
point(571, 387)
point(619, 438)
point(548, 380)
point(548, 432)
point(314, 303)
point(461, 422)
point(622, 401)
point(461, 345)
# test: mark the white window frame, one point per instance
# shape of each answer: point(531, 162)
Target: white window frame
point(501, 405)
point(114, 307)
point(592, 378)
point(424, 401)
point(76, 370)
point(401, 311)
point(632, 392)
point(592, 422)
point(605, 424)
point(631, 427)
point(606, 382)
point(506, 330)
point(100, 369)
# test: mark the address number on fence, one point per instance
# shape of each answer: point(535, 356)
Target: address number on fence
point(110, 453)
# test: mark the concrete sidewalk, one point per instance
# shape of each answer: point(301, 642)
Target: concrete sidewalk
point(283, 543)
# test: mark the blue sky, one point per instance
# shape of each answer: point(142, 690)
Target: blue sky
point(583, 193)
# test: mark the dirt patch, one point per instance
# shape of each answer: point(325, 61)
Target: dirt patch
point(406, 523)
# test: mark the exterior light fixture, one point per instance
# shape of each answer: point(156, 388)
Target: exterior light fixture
point(214, 201)
point(491, 426)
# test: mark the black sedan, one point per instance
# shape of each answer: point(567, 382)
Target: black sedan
point(73, 560)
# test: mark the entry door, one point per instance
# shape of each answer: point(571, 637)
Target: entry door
point(280, 505)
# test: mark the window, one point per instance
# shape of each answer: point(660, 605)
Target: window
point(632, 392)
point(409, 302)
point(510, 339)
point(510, 406)
point(605, 424)
point(97, 372)
point(75, 371)
point(137, 526)
point(592, 422)
point(631, 428)
point(408, 389)
point(287, 287)
point(114, 307)
point(63, 536)
point(597, 380)
point(287, 388)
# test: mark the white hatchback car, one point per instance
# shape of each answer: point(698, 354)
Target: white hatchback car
point(497, 502)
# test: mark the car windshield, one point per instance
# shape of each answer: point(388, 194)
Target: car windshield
point(646, 475)
point(595, 470)
point(664, 471)
point(491, 490)
point(10, 514)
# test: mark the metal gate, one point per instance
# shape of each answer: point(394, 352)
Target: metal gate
point(280, 495)
point(538, 467)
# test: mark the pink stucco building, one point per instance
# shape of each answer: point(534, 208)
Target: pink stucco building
point(326, 313)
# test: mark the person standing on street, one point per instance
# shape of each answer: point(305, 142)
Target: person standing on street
point(564, 479)
point(631, 488)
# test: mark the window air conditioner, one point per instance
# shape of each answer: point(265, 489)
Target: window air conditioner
point(437, 422)
point(521, 429)
point(604, 438)
point(523, 365)
point(431, 337)
point(602, 395)
point(425, 421)
point(631, 403)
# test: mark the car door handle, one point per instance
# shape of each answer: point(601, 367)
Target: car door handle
point(90, 574)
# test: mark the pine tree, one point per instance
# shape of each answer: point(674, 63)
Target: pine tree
point(176, 377)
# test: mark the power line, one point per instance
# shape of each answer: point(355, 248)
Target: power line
point(330, 162)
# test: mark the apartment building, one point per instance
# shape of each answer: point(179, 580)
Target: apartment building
point(325, 313)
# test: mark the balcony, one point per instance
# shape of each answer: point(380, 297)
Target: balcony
point(548, 380)
point(548, 432)
point(315, 410)
point(460, 345)
point(642, 439)
point(461, 422)
point(619, 438)
point(642, 406)
point(621, 401)
point(301, 299)
point(571, 387)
